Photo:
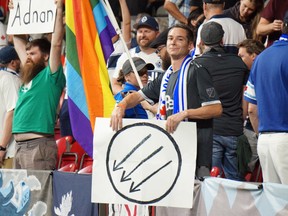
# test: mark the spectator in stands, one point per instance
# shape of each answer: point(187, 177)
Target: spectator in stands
point(249, 49)
point(245, 12)
point(161, 50)
point(201, 105)
point(229, 75)
point(271, 20)
point(178, 11)
point(267, 90)
point(9, 86)
point(234, 32)
point(147, 31)
point(130, 85)
point(35, 112)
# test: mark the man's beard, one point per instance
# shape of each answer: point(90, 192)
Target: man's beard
point(31, 69)
point(166, 62)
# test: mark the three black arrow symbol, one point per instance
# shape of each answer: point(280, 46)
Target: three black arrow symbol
point(117, 167)
point(125, 178)
point(136, 188)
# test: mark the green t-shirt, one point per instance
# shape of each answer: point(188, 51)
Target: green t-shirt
point(36, 107)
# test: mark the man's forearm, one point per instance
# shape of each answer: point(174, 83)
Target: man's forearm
point(57, 37)
point(253, 116)
point(204, 112)
point(7, 129)
point(131, 100)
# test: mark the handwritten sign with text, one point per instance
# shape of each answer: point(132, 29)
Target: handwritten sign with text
point(32, 17)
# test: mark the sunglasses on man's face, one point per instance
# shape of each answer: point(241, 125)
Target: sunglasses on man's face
point(157, 51)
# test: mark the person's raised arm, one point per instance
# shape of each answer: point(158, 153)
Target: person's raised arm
point(19, 41)
point(126, 22)
point(57, 37)
point(173, 10)
point(118, 113)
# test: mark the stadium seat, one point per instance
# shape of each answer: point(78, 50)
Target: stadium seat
point(71, 167)
point(68, 158)
point(85, 161)
point(63, 145)
point(256, 175)
point(86, 170)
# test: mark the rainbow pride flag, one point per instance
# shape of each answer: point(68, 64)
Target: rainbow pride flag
point(88, 41)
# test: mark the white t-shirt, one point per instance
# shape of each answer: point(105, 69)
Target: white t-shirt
point(234, 33)
point(9, 86)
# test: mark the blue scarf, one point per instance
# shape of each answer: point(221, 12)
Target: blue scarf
point(284, 37)
point(180, 90)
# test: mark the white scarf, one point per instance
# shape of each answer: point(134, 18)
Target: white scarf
point(180, 90)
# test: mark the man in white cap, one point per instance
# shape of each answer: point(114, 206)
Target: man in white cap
point(147, 31)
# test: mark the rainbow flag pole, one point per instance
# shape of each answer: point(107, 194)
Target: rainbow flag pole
point(88, 37)
point(111, 16)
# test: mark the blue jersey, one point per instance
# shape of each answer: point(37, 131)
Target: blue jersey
point(268, 88)
point(136, 112)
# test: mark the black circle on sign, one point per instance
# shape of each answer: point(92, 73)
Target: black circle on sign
point(178, 168)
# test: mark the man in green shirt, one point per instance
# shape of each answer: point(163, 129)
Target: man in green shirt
point(42, 85)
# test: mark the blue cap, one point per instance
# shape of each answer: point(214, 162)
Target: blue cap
point(149, 22)
point(7, 54)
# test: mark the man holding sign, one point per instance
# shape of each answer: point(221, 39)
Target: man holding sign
point(42, 85)
point(184, 92)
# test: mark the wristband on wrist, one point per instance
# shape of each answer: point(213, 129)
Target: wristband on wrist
point(2, 148)
point(121, 105)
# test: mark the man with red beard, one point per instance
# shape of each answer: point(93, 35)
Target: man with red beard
point(42, 84)
point(147, 31)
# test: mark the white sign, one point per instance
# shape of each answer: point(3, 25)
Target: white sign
point(143, 164)
point(32, 17)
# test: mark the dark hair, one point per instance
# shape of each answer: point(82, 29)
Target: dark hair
point(121, 77)
point(190, 35)
point(194, 16)
point(259, 5)
point(252, 46)
point(43, 44)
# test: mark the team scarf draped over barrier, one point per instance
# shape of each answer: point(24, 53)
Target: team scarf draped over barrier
point(180, 91)
point(88, 36)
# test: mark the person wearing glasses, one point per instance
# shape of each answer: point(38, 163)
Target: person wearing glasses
point(161, 50)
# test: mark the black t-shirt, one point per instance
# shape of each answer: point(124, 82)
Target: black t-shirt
point(200, 92)
point(229, 74)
